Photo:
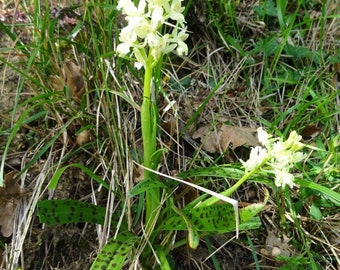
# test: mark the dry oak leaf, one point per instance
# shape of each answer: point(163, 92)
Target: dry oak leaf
point(10, 195)
point(225, 137)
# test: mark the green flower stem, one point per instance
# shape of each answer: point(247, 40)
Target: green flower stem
point(233, 188)
point(149, 127)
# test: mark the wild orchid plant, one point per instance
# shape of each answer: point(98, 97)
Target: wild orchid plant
point(275, 156)
point(144, 39)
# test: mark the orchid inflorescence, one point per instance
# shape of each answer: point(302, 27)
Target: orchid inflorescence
point(278, 155)
point(154, 28)
point(143, 34)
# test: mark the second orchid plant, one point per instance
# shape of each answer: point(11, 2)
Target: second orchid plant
point(275, 157)
point(144, 40)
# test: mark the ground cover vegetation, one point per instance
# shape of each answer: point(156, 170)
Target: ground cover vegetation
point(169, 134)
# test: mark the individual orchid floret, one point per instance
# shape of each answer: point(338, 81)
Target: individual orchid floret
point(129, 8)
point(283, 178)
point(257, 156)
point(182, 48)
point(293, 141)
point(264, 137)
point(176, 11)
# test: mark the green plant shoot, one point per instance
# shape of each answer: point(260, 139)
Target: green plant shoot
point(143, 38)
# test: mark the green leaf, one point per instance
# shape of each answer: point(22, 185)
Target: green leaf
point(330, 194)
point(197, 113)
point(193, 236)
point(212, 218)
point(252, 210)
point(114, 253)
point(216, 218)
point(54, 212)
point(181, 85)
point(56, 176)
point(225, 171)
point(298, 52)
point(315, 212)
point(164, 264)
point(213, 171)
point(146, 185)
point(254, 252)
point(47, 145)
point(12, 35)
point(268, 46)
point(266, 8)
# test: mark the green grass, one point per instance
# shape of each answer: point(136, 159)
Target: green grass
point(272, 65)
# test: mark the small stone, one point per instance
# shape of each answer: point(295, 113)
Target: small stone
point(276, 251)
point(83, 137)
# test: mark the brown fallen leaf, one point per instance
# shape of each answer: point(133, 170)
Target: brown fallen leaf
point(74, 80)
point(310, 132)
point(237, 136)
point(57, 82)
point(170, 126)
point(209, 138)
point(10, 195)
point(225, 137)
point(71, 77)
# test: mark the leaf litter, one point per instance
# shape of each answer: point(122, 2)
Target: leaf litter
point(225, 137)
point(10, 195)
point(72, 78)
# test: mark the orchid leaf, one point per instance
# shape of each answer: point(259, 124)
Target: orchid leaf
point(113, 255)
